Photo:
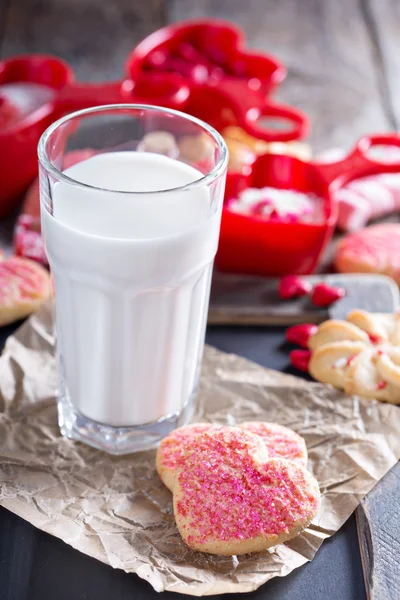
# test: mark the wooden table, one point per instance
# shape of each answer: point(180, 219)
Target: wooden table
point(344, 71)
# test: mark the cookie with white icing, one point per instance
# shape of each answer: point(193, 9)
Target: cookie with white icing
point(360, 355)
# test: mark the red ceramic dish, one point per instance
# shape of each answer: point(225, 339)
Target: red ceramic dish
point(208, 43)
point(252, 244)
point(229, 85)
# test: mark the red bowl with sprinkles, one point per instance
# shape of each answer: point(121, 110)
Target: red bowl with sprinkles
point(279, 216)
point(262, 237)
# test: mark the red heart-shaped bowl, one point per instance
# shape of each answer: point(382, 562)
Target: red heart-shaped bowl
point(228, 84)
point(254, 244)
point(206, 51)
point(257, 245)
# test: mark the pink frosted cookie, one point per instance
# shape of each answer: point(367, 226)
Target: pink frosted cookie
point(172, 449)
point(230, 498)
point(24, 287)
point(281, 442)
point(375, 249)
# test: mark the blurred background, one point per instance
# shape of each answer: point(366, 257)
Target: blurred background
point(342, 59)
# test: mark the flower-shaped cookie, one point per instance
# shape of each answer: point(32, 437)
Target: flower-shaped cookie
point(231, 498)
point(280, 441)
point(360, 355)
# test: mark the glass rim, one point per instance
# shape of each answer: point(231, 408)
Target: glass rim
point(205, 180)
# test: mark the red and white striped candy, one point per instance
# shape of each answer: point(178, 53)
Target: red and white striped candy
point(366, 198)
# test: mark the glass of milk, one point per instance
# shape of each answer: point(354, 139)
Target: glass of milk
point(131, 233)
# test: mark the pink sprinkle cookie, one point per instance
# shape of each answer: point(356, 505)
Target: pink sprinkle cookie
point(231, 498)
point(24, 287)
point(281, 442)
point(172, 449)
point(375, 249)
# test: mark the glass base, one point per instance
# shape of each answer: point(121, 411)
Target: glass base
point(118, 440)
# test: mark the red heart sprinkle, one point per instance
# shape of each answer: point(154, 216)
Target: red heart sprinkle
point(325, 295)
point(300, 334)
point(292, 286)
point(300, 359)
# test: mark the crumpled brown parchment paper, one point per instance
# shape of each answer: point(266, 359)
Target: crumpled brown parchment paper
point(117, 510)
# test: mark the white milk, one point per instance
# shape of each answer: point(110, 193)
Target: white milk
point(132, 276)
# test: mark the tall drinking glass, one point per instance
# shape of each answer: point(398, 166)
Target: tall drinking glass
point(131, 231)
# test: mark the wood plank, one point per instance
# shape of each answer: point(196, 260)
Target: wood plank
point(384, 19)
point(4, 6)
point(94, 37)
point(244, 300)
point(378, 519)
point(329, 54)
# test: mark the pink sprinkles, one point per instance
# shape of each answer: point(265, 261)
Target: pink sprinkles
point(280, 441)
point(174, 445)
point(228, 494)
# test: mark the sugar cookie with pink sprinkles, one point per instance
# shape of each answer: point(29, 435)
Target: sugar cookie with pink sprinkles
point(24, 287)
point(281, 442)
point(231, 498)
point(172, 449)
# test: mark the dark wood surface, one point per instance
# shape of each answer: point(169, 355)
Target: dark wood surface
point(343, 70)
point(378, 532)
point(244, 300)
point(95, 37)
